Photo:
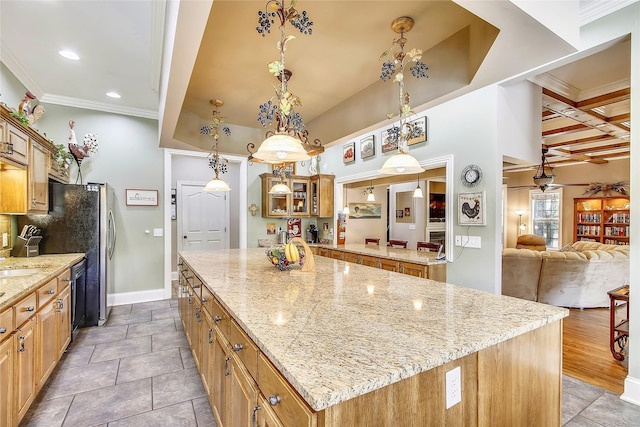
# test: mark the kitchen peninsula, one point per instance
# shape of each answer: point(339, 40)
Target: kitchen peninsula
point(358, 346)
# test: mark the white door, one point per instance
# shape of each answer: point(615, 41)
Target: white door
point(204, 218)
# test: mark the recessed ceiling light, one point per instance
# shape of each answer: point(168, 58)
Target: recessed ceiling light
point(69, 55)
point(113, 95)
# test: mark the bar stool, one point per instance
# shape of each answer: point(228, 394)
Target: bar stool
point(368, 240)
point(398, 243)
point(428, 246)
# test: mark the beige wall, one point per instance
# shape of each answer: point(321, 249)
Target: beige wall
point(518, 199)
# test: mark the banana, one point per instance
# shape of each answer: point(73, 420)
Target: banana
point(293, 250)
point(287, 252)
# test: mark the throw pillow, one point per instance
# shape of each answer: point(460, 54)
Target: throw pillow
point(567, 248)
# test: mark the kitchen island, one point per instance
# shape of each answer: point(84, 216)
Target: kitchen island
point(364, 346)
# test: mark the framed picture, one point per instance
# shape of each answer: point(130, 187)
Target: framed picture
point(365, 210)
point(407, 212)
point(399, 213)
point(389, 139)
point(349, 153)
point(419, 131)
point(289, 168)
point(271, 228)
point(471, 208)
point(137, 197)
point(367, 147)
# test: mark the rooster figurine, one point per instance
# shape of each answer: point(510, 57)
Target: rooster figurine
point(79, 152)
point(469, 211)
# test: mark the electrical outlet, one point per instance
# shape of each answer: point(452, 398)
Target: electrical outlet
point(5, 240)
point(453, 387)
point(474, 242)
point(458, 240)
point(157, 232)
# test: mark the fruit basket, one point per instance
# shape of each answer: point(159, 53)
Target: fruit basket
point(284, 257)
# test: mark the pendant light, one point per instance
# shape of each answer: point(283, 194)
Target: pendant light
point(541, 178)
point(370, 196)
point(345, 211)
point(281, 187)
point(417, 193)
point(217, 163)
point(394, 66)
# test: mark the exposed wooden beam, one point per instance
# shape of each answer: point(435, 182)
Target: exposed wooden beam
point(599, 138)
point(607, 98)
point(564, 130)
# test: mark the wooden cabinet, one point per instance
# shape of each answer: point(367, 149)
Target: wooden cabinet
point(63, 316)
point(7, 352)
point(38, 178)
point(389, 265)
point(220, 371)
point(15, 144)
point(56, 172)
point(243, 396)
point(311, 196)
point(602, 219)
point(47, 342)
point(321, 193)
point(265, 416)
point(24, 367)
point(417, 270)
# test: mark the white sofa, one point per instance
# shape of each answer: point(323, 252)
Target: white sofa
point(577, 277)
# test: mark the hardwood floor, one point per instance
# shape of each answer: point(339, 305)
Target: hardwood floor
point(585, 350)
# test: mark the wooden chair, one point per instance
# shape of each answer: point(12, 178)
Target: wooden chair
point(368, 240)
point(428, 246)
point(398, 243)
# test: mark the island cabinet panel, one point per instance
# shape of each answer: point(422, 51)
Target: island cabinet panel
point(336, 255)
point(207, 340)
point(520, 380)
point(437, 272)
point(417, 270)
point(220, 377)
point(244, 348)
point(369, 261)
point(265, 417)
point(389, 265)
point(243, 396)
point(7, 352)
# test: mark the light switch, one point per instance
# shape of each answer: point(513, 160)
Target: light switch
point(157, 232)
point(5, 240)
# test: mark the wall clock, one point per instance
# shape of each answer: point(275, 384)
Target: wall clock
point(471, 175)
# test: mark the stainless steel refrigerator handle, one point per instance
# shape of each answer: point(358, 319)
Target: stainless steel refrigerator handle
point(112, 226)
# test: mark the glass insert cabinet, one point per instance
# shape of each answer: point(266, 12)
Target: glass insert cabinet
point(311, 196)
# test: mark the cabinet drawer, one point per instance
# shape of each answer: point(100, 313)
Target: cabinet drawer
point(336, 255)
point(207, 299)
point(6, 323)
point(416, 270)
point(47, 292)
point(64, 280)
point(389, 265)
point(244, 348)
point(369, 261)
point(196, 285)
point(220, 318)
point(282, 398)
point(349, 257)
point(25, 309)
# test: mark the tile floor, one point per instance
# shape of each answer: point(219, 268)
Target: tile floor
point(138, 371)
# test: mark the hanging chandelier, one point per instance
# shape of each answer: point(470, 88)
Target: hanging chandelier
point(217, 163)
point(290, 141)
point(544, 174)
point(396, 60)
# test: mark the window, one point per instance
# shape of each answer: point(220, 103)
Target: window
point(545, 215)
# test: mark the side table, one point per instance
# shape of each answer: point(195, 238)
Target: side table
point(618, 328)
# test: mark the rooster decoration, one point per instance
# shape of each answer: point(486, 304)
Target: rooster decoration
point(79, 152)
point(469, 211)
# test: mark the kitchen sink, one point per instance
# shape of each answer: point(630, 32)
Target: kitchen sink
point(17, 272)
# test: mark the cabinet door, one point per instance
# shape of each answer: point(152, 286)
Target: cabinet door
point(300, 197)
point(416, 270)
point(7, 352)
point(18, 149)
point(274, 205)
point(38, 178)
point(206, 356)
point(242, 397)
point(265, 417)
point(196, 332)
point(64, 320)
point(47, 342)
point(220, 374)
point(24, 368)
point(389, 265)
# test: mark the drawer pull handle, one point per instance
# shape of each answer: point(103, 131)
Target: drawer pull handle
point(21, 349)
point(237, 347)
point(227, 372)
point(29, 308)
point(274, 399)
point(204, 300)
point(211, 340)
point(254, 417)
point(197, 314)
point(217, 319)
point(3, 329)
point(50, 292)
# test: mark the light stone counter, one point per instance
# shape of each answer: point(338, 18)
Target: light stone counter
point(15, 288)
point(396, 254)
point(347, 331)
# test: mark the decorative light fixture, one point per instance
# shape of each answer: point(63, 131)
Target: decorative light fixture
point(394, 66)
point(369, 192)
point(289, 142)
point(544, 174)
point(281, 187)
point(217, 163)
point(417, 193)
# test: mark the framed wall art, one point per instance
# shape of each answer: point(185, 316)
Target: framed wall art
point(367, 147)
point(349, 153)
point(289, 168)
point(135, 197)
point(389, 139)
point(365, 210)
point(419, 132)
point(471, 208)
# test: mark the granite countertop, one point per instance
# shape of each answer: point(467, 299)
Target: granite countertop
point(351, 329)
point(15, 288)
point(396, 254)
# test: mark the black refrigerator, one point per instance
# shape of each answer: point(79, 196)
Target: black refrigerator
point(81, 219)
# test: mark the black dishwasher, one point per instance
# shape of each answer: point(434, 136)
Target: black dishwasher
point(78, 295)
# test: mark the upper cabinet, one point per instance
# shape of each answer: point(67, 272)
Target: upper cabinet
point(25, 161)
point(311, 196)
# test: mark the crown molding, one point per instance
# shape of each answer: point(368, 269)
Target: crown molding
point(591, 10)
point(11, 62)
point(98, 106)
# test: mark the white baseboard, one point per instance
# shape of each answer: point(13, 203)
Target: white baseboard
point(631, 390)
point(135, 297)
